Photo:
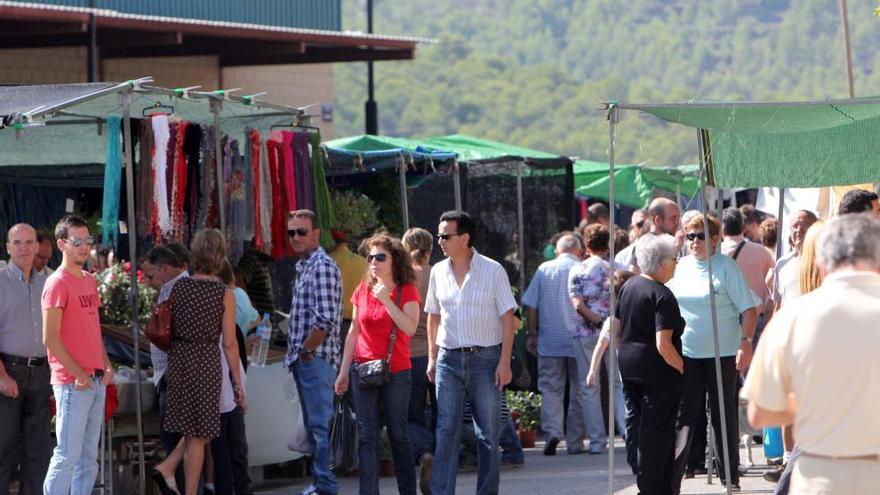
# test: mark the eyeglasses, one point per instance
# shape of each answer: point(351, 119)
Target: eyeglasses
point(77, 242)
point(149, 276)
point(297, 232)
point(692, 236)
point(380, 257)
point(445, 237)
point(639, 224)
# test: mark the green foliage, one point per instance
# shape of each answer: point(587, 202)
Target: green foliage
point(356, 214)
point(526, 407)
point(114, 288)
point(533, 72)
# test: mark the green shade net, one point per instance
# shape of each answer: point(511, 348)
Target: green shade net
point(633, 184)
point(784, 144)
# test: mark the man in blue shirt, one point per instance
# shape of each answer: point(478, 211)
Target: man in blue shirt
point(24, 372)
point(552, 321)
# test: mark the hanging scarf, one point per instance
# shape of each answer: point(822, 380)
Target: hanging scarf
point(266, 188)
point(112, 184)
point(161, 133)
point(289, 173)
point(253, 161)
point(279, 198)
point(238, 195)
point(305, 190)
point(193, 185)
point(178, 189)
point(207, 179)
point(323, 204)
point(144, 197)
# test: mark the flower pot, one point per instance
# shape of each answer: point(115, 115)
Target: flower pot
point(527, 438)
point(386, 468)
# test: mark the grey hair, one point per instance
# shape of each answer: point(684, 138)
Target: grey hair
point(567, 243)
point(652, 250)
point(848, 240)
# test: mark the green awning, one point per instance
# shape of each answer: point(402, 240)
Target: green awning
point(787, 144)
point(471, 149)
point(633, 184)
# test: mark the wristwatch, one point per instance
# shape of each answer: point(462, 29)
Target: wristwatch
point(748, 339)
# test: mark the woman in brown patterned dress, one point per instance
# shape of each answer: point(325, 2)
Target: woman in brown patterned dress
point(203, 308)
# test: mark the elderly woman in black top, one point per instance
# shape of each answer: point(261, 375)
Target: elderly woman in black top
point(651, 365)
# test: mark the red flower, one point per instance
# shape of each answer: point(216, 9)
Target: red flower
point(126, 266)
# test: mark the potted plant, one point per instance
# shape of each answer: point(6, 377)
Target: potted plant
point(525, 408)
point(114, 288)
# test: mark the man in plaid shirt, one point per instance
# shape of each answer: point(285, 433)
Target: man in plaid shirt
point(313, 340)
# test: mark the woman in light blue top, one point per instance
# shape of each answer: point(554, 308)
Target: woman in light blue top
point(246, 316)
point(736, 317)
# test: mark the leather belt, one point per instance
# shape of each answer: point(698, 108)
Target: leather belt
point(470, 349)
point(31, 362)
point(872, 457)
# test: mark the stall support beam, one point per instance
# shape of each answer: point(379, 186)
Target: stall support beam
point(216, 108)
point(132, 253)
point(521, 245)
point(613, 119)
point(779, 223)
point(704, 160)
point(404, 201)
point(456, 184)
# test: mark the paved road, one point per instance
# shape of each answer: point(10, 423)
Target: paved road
point(560, 475)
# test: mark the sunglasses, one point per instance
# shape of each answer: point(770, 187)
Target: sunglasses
point(696, 235)
point(445, 237)
point(77, 242)
point(297, 232)
point(640, 224)
point(380, 257)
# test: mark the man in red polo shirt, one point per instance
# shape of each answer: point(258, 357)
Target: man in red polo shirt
point(79, 363)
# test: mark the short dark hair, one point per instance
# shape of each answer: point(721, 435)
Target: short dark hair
point(42, 235)
point(66, 223)
point(161, 255)
point(597, 212)
point(732, 221)
point(768, 230)
point(750, 214)
point(183, 254)
point(304, 214)
point(597, 237)
point(464, 224)
point(225, 273)
point(856, 201)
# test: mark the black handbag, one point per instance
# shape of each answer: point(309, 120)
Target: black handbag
point(376, 373)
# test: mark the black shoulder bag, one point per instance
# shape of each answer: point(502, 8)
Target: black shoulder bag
point(376, 373)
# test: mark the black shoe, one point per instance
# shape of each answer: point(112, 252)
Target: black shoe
point(774, 474)
point(688, 475)
point(550, 448)
point(162, 483)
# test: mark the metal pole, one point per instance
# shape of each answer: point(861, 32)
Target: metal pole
point(132, 253)
point(216, 108)
point(404, 202)
point(456, 184)
point(713, 305)
point(678, 194)
point(371, 109)
point(849, 72)
point(521, 228)
point(613, 119)
point(779, 223)
point(92, 56)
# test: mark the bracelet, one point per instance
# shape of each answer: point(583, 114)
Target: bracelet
point(747, 339)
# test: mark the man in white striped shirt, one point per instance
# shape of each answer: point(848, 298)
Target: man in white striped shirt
point(470, 338)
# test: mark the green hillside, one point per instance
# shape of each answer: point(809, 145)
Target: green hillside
point(533, 72)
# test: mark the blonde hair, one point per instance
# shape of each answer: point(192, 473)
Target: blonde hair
point(419, 242)
point(809, 276)
point(208, 251)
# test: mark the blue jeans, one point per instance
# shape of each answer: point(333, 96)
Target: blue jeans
point(74, 466)
point(591, 396)
point(511, 447)
point(314, 381)
point(421, 426)
point(470, 375)
point(392, 398)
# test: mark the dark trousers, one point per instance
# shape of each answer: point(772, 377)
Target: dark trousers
point(169, 439)
point(633, 422)
point(697, 456)
point(421, 423)
point(655, 405)
point(392, 399)
point(24, 429)
point(699, 376)
point(230, 456)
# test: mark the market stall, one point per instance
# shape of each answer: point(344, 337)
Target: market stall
point(184, 170)
point(770, 144)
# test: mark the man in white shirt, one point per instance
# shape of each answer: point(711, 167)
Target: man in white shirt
point(470, 340)
point(816, 366)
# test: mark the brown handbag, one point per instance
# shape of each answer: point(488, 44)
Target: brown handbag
point(159, 328)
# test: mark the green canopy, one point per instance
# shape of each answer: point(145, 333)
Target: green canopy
point(784, 144)
point(471, 149)
point(633, 184)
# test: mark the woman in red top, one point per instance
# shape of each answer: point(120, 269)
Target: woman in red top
point(387, 300)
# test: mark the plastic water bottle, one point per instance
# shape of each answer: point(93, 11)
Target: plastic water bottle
point(261, 346)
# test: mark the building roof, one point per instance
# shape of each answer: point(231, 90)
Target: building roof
point(124, 35)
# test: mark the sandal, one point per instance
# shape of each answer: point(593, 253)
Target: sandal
point(167, 486)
